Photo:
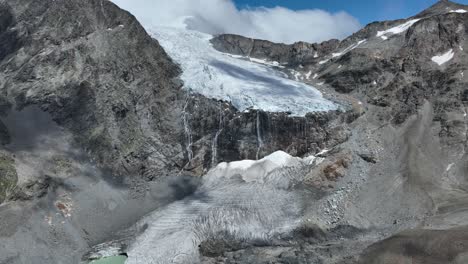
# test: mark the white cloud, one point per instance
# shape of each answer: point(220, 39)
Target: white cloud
point(221, 16)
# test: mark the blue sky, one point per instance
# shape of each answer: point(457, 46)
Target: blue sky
point(365, 11)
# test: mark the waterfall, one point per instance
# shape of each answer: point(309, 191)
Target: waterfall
point(259, 136)
point(214, 145)
point(188, 132)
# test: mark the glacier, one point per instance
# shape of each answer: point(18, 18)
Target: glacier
point(246, 83)
point(244, 200)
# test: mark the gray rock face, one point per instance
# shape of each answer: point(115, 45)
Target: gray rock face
point(292, 55)
point(220, 133)
point(98, 74)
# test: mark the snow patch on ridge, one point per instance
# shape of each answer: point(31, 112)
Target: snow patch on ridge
point(265, 62)
point(348, 49)
point(397, 30)
point(441, 59)
point(460, 11)
point(323, 62)
point(244, 83)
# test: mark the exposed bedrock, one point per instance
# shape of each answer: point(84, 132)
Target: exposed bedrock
point(220, 133)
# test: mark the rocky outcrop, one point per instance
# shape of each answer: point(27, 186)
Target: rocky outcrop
point(292, 55)
point(99, 75)
point(8, 176)
point(421, 246)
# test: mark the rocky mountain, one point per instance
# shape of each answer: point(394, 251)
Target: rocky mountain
point(110, 144)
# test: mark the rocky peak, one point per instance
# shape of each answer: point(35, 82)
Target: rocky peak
point(441, 7)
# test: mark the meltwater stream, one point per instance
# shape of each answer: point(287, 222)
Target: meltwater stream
point(248, 200)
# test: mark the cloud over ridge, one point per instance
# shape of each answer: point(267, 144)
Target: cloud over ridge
point(276, 24)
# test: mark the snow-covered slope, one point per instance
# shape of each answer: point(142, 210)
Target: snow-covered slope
point(244, 83)
point(397, 29)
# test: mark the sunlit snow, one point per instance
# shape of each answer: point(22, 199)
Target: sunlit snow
point(397, 30)
point(461, 11)
point(441, 59)
point(348, 49)
point(323, 62)
point(246, 84)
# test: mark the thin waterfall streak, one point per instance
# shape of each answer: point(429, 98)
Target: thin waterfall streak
point(188, 132)
point(259, 136)
point(214, 145)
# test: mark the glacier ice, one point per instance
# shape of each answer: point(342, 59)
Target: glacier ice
point(246, 84)
point(244, 200)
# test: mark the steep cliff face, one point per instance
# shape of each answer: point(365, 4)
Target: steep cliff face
point(218, 133)
point(95, 70)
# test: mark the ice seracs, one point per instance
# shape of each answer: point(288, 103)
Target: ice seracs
point(441, 59)
point(251, 83)
point(397, 30)
point(256, 170)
